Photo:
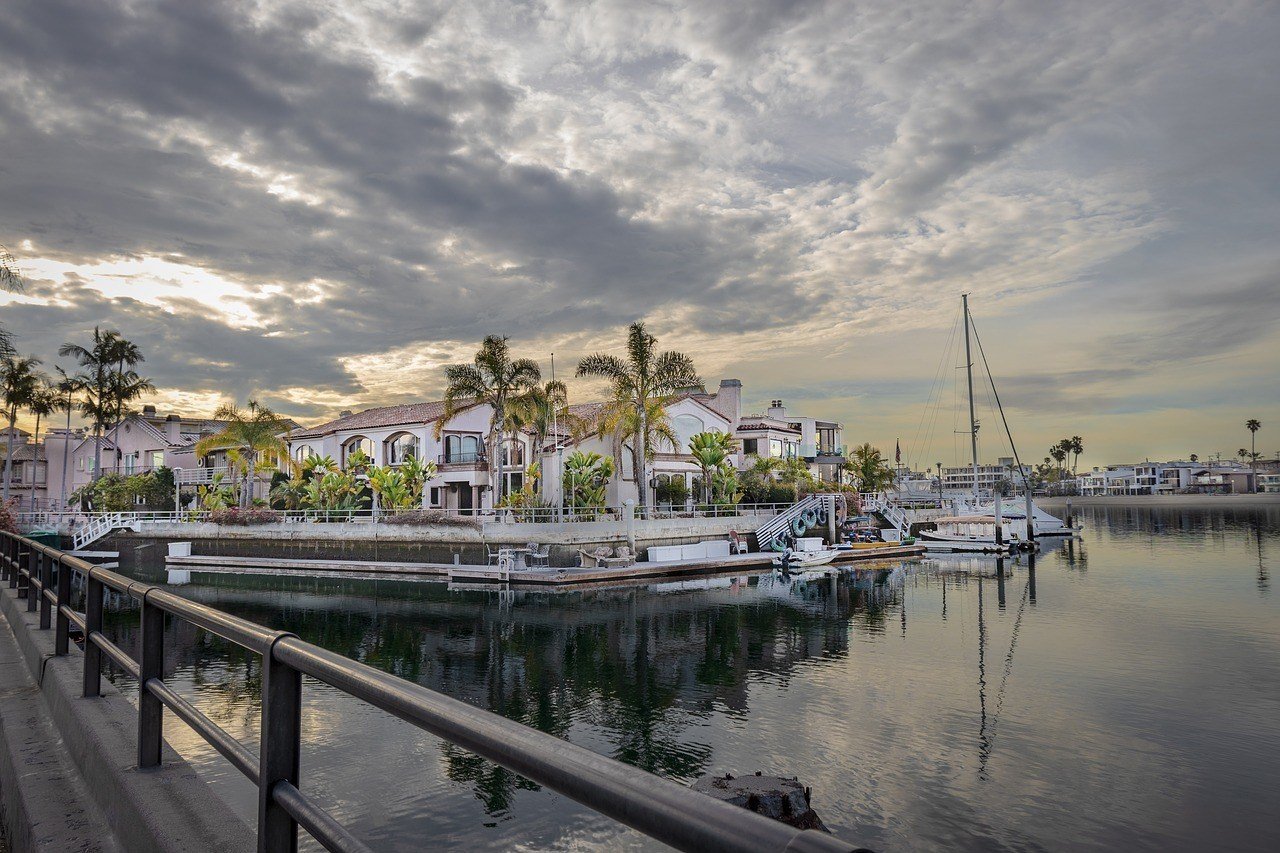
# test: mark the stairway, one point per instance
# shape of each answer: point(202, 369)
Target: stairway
point(100, 526)
point(794, 521)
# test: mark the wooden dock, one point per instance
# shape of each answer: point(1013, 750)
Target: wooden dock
point(552, 577)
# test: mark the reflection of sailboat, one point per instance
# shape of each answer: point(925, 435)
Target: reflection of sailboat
point(987, 727)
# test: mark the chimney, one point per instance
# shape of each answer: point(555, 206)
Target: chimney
point(728, 401)
point(345, 413)
point(777, 410)
point(173, 429)
point(149, 411)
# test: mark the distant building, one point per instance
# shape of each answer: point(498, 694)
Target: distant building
point(28, 482)
point(959, 478)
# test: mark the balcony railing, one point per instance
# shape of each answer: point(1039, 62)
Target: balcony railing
point(660, 808)
point(470, 458)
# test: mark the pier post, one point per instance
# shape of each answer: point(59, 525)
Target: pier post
point(1069, 525)
point(831, 520)
point(629, 508)
point(1000, 581)
point(999, 526)
point(1031, 575)
point(1031, 522)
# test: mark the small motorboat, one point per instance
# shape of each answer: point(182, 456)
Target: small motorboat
point(970, 533)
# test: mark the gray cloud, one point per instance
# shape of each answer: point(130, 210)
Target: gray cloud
point(384, 178)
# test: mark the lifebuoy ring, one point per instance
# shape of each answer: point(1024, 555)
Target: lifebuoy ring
point(810, 517)
point(798, 526)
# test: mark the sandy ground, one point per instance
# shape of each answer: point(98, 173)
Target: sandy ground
point(1271, 499)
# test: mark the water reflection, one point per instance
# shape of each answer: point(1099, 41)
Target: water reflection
point(893, 692)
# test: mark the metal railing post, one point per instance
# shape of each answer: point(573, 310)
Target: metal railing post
point(92, 623)
point(150, 665)
point(279, 750)
point(61, 624)
point(33, 568)
point(46, 583)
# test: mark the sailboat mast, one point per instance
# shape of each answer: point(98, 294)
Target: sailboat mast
point(973, 419)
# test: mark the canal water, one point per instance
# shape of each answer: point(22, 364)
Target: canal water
point(1122, 693)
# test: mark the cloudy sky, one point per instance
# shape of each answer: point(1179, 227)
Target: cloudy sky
point(321, 202)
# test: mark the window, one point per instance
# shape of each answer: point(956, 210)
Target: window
point(462, 448)
point(775, 447)
point(401, 448)
point(42, 474)
point(515, 482)
point(129, 462)
point(157, 459)
point(303, 452)
point(685, 427)
point(513, 453)
point(358, 443)
point(435, 496)
point(749, 446)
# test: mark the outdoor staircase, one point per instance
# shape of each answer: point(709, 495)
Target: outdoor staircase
point(100, 526)
point(891, 512)
point(794, 521)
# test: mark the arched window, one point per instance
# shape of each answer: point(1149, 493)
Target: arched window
point(357, 443)
point(303, 452)
point(401, 447)
point(685, 427)
point(470, 448)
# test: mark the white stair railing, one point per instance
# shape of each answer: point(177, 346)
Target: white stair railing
point(805, 514)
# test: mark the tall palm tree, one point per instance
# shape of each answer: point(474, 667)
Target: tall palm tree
point(1059, 453)
point(96, 380)
point(68, 387)
point(1253, 425)
point(870, 468)
point(253, 434)
point(19, 380)
point(11, 281)
point(541, 408)
point(1077, 447)
point(493, 377)
point(44, 400)
point(647, 376)
point(125, 354)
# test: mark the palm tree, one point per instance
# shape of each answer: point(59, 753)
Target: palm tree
point(646, 377)
point(495, 378)
point(1076, 447)
point(254, 434)
point(1059, 452)
point(11, 281)
point(870, 468)
point(621, 420)
point(96, 381)
point(711, 450)
point(125, 353)
point(19, 380)
point(45, 399)
point(540, 409)
point(1253, 425)
point(68, 387)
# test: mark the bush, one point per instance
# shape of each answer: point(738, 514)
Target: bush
point(244, 517)
point(431, 516)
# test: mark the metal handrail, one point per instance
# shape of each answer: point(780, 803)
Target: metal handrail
point(657, 807)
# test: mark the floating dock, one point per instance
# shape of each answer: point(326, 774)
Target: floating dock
point(469, 574)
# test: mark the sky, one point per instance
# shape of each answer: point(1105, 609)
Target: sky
point(319, 204)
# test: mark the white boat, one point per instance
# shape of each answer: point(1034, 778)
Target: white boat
point(808, 559)
point(970, 533)
point(1015, 511)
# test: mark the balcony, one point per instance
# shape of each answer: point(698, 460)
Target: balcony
point(457, 461)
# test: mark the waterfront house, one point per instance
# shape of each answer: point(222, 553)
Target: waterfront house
point(28, 482)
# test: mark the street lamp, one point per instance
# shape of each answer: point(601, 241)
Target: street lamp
point(939, 485)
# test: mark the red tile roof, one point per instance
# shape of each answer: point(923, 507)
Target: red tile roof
point(383, 416)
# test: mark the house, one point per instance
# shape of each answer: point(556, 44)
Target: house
point(143, 441)
point(28, 482)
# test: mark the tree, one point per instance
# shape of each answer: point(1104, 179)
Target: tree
point(1076, 446)
point(1060, 451)
point(19, 380)
point(97, 382)
point(128, 385)
point(870, 469)
point(622, 421)
point(253, 434)
point(586, 476)
point(44, 400)
point(644, 378)
point(1253, 425)
point(495, 378)
point(540, 409)
point(11, 282)
point(711, 450)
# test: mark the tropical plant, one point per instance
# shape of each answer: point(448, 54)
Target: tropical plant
point(1060, 451)
point(795, 473)
point(19, 382)
point(359, 462)
point(647, 377)
point(711, 449)
point(586, 480)
point(417, 474)
point(289, 494)
point(494, 378)
point(1253, 425)
point(725, 485)
point(11, 281)
point(337, 491)
point(98, 383)
point(540, 409)
point(215, 495)
point(526, 503)
point(253, 438)
point(870, 470)
point(1076, 446)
